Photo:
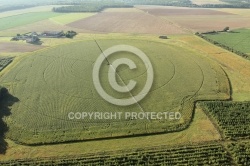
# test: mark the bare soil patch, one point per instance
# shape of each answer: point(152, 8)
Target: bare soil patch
point(209, 23)
point(15, 47)
point(182, 11)
point(129, 22)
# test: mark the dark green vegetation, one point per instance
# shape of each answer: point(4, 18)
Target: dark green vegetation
point(238, 3)
point(3, 92)
point(240, 152)
point(6, 101)
point(90, 7)
point(70, 34)
point(236, 41)
point(232, 117)
point(97, 6)
point(16, 7)
point(52, 83)
point(210, 154)
point(5, 62)
point(24, 19)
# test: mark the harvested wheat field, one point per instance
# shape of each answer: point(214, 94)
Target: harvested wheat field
point(15, 47)
point(181, 11)
point(206, 23)
point(199, 19)
point(39, 26)
point(127, 22)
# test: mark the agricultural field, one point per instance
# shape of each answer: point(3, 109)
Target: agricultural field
point(126, 22)
point(44, 72)
point(236, 39)
point(210, 154)
point(201, 20)
point(232, 118)
point(23, 19)
point(47, 8)
point(200, 130)
point(240, 152)
point(71, 17)
point(208, 85)
point(5, 62)
point(10, 47)
point(236, 67)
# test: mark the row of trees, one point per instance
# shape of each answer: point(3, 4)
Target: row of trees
point(89, 7)
point(3, 92)
point(16, 7)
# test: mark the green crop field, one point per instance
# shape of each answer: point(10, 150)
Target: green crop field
point(232, 117)
point(56, 81)
point(24, 19)
point(236, 39)
point(240, 152)
point(209, 154)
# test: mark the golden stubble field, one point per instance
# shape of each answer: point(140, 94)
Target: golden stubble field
point(201, 20)
point(236, 67)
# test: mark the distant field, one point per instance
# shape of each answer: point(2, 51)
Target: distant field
point(23, 19)
point(7, 47)
point(54, 82)
point(236, 39)
point(201, 20)
point(71, 17)
point(126, 22)
point(242, 12)
point(39, 26)
point(28, 10)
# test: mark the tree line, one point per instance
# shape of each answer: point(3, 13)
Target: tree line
point(16, 7)
point(90, 7)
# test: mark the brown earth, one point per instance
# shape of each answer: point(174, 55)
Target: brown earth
point(200, 20)
point(182, 11)
point(208, 23)
point(129, 22)
point(16, 47)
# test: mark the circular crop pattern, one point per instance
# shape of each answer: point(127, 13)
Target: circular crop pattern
point(54, 82)
point(96, 70)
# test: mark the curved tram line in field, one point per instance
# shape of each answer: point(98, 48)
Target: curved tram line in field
point(50, 91)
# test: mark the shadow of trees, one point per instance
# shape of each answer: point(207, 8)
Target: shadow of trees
point(6, 101)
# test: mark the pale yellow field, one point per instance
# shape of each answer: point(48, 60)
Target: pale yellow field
point(200, 130)
point(242, 12)
point(71, 17)
point(236, 67)
point(122, 10)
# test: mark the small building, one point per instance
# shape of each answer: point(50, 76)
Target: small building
point(54, 34)
point(32, 39)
